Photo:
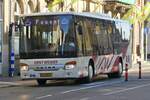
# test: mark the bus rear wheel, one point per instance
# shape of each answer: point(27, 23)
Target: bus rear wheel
point(41, 82)
point(117, 74)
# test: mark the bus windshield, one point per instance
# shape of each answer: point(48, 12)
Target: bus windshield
point(47, 37)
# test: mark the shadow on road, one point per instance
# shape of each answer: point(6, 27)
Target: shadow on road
point(60, 83)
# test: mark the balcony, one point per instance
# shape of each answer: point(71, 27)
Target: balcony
point(129, 2)
point(116, 6)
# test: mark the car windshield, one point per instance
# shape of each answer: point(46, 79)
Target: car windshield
point(47, 37)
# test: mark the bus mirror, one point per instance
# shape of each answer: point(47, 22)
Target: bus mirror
point(80, 30)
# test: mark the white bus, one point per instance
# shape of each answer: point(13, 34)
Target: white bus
point(73, 46)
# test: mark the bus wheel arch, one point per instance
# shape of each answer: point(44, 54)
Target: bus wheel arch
point(120, 70)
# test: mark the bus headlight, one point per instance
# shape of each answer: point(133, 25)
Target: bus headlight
point(70, 65)
point(24, 67)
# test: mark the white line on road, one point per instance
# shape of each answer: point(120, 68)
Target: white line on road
point(94, 83)
point(127, 89)
point(88, 87)
point(9, 83)
point(42, 97)
point(85, 98)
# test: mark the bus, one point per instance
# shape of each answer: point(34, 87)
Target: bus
point(70, 45)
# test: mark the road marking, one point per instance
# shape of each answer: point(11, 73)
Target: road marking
point(42, 97)
point(94, 83)
point(127, 89)
point(9, 83)
point(84, 88)
point(85, 98)
point(106, 83)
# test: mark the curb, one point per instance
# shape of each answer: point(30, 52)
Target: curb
point(145, 63)
point(5, 86)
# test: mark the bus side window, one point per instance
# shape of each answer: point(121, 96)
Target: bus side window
point(104, 37)
point(78, 37)
point(83, 40)
point(98, 33)
point(88, 37)
point(117, 35)
point(109, 35)
point(80, 29)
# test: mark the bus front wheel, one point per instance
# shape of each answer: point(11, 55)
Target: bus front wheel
point(90, 74)
point(88, 78)
point(41, 82)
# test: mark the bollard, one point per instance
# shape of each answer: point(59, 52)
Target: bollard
point(126, 72)
point(12, 63)
point(140, 70)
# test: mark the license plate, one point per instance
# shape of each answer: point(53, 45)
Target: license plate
point(45, 74)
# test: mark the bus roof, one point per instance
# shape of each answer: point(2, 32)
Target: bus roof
point(84, 14)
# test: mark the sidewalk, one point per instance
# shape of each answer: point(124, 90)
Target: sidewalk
point(144, 66)
point(9, 81)
point(15, 81)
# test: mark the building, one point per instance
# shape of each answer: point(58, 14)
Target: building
point(13, 8)
point(1, 32)
point(147, 40)
point(147, 36)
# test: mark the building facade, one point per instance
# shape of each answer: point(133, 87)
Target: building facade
point(1, 32)
point(13, 8)
point(10, 10)
point(147, 36)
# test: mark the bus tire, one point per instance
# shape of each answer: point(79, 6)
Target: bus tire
point(117, 74)
point(120, 70)
point(90, 74)
point(41, 82)
point(88, 78)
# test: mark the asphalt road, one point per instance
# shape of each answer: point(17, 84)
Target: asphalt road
point(101, 89)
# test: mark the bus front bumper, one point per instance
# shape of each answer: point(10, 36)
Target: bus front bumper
point(50, 75)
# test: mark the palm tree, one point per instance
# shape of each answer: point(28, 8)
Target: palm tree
point(52, 3)
point(138, 15)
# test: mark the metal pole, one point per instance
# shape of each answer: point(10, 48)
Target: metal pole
point(146, 46)
point(12, 56)
point(11, 41)
point(10, 35)
point(140, 70)
point(126, 72)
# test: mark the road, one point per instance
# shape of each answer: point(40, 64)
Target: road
point(101, 89)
